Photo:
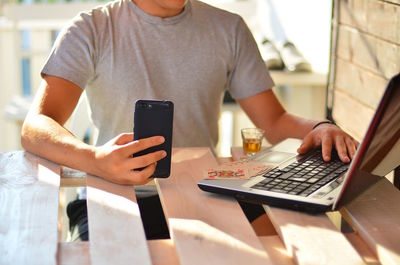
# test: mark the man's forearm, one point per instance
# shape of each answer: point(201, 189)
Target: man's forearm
point(289, 126)
point(45, 137)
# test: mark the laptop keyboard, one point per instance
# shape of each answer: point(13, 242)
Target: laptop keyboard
point(303, 177)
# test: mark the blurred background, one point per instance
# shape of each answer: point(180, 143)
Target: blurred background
point(28, 29)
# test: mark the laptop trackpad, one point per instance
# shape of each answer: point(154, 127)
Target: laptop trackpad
point(273, 157)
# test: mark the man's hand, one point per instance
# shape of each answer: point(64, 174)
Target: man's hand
point(115, 163)
point(327, 136)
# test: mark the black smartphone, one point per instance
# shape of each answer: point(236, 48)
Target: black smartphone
point(153, 118)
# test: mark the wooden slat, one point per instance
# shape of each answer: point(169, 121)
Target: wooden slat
point(163, 252)
point(375, 216)
point(276, 250)
point(312, 239)
point(72, 178)
point(115, 228)
point(28, 209)
point(370, 53)
point(362, 248)
point(379, 18)
point(71, 182)
point(305, 236)
point(351, 115)
point(72, 253)
point(363, 86)
point(205, 228)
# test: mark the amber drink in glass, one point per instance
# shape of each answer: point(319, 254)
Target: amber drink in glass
point(252, 139)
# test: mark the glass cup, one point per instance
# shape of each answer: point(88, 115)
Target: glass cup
point(252, 138)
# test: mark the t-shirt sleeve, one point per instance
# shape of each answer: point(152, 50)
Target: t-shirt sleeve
point(73, 54)
point(249, 75)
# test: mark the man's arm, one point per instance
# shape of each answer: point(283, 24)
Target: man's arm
point(266, 112)
point(43, 134)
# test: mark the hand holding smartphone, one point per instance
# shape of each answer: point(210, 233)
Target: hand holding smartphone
point(155, 118)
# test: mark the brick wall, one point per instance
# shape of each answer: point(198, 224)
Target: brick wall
point(365, 54)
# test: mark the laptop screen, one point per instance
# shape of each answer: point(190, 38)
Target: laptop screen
point(379, 152)
point(382, 154)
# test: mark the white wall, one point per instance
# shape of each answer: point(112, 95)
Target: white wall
point(306, 23)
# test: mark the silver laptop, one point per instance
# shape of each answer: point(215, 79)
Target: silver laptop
point(308, 183)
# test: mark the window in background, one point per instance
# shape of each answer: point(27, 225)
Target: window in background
point(26, 64)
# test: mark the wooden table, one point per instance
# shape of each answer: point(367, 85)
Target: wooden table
point(204, 228)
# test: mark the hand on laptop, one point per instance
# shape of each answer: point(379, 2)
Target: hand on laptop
point(327, 136)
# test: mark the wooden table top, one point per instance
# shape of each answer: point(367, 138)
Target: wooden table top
point(205, 228)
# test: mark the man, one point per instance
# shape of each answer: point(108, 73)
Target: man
point(184, 51)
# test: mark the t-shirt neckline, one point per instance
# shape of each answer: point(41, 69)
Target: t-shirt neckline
point(158, 20)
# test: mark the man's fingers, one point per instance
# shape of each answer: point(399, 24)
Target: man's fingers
point(145, 160)
point(142, 144)
point(357, 144)
point(306, 145)
point(351, 146)
point(341, 149)
point(330, 137)
point(141, 177)
point(326, 147)
point(124, 138)
point(136, 177)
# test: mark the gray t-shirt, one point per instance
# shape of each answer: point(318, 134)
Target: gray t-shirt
point(119, 54)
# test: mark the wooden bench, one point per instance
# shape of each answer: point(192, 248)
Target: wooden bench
point(204, 228)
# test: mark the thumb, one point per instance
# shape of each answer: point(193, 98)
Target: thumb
point(123, 138)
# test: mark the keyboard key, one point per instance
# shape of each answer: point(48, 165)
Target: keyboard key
point(258, 186)
point(312, 180)
point(334, 184)
point(300, 179)
point(305, 193)
point(297, 190)
point(277, 190)
point(304, 185)
point(266, 180)
point(286, 175)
